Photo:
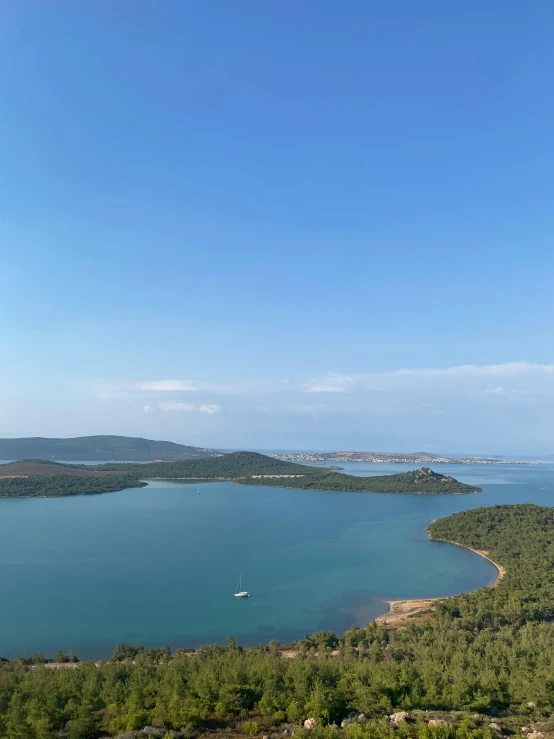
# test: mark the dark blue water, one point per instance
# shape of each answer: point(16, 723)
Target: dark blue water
point(159, 564)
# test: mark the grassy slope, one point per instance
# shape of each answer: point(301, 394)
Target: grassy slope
point(31, 467)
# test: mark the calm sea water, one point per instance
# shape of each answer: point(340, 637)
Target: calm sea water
point(159, 564)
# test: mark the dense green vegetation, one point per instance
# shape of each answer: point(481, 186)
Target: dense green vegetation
point(227, 466)
point(37, 477)
point(245, 466)
point(489, 653)
point(520, 537)
point(53, 486)
point(40, 477)
point(98, 448)
point(423, 481)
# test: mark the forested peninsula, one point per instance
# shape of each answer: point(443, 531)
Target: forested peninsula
point(35, 477)
point(478, 666)
point(251, 468)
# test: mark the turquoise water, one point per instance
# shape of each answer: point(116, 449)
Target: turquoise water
point(159, 564)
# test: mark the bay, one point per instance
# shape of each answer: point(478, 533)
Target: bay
point(159, 564)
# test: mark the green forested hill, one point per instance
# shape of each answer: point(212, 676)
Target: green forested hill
point(247, 467)
point(520, 537)
point(479, 658)
point(31, 478)
point(98, 448)
point(55, 486)
point(229, 466)
point(423, 481)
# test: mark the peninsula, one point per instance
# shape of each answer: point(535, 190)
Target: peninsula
point(36, 478)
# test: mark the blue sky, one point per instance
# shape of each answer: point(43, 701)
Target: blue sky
point(279, 224)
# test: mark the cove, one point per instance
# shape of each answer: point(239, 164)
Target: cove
point(159, 564)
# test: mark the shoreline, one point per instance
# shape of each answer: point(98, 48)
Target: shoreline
point(400, 611)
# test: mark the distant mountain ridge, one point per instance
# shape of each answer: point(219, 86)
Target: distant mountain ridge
point(100, 449)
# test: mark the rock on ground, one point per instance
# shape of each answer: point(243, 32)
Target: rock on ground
point(398, 717)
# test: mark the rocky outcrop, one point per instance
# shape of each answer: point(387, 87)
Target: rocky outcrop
point(437, 722)
point(353, 717)
point(397, 718)
point(310, 723)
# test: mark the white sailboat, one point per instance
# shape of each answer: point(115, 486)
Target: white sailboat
point(239, 592)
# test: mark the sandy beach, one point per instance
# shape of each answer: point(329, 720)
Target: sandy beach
point(400, 611)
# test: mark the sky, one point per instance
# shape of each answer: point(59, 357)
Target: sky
point(279, 225)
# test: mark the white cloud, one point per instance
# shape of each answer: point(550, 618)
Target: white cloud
point(306, 408)
point(166, 386)
point(176, 407)
point(105, 388)
point(513, 394)
point(146, 409)
point(337, 383)
point(333, 383)
point(476, 370)
point(189, 407)
point(495, 390)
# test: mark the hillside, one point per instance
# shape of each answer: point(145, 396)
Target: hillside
point(99, 449)
point(32, 467)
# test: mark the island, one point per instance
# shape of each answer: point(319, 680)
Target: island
point(31, 478)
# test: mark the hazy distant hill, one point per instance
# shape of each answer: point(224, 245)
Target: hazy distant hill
point(99, 448)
